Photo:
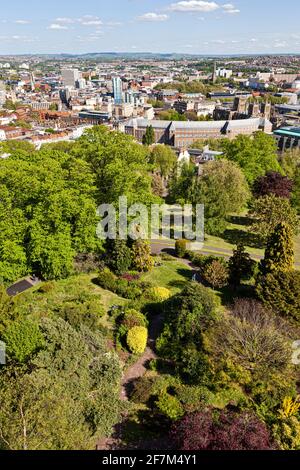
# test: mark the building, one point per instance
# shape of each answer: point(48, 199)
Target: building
point(183, 134)
point(287, 138)
point(224, 73)
point(117, 90)
point(182, 106)
point(70, 77)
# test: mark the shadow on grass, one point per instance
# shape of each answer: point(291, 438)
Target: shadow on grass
point(240, 220)
point(228, 294)
point(235, 236)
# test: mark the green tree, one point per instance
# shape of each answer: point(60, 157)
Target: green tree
point(119, 257)
point(141, 255)
point(255, 155)
point(240, 265)
point(164, 159)
point(279, 254)
point(268, 212)
point(149, 137)
point(23, 338)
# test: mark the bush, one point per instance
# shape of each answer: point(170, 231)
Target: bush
point(159, 294)
point(133, 318)
point(180, 248)
point(107, 280)
point(88, 263)
point(231, 431)
point(141, 253)
point(170, 406)
point(281, 292)
point(137, 339)
point(46, 287)
point(119, 257)
point(215, 274)
point(23, 338)
point(167, 257)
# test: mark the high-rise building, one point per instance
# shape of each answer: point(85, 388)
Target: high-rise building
point(117, 90)
point(70, 77)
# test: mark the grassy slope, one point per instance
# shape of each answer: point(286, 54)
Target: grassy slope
point(172, 275)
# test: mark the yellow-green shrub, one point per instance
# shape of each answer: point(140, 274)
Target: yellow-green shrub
point(159, 294)
point(137, 339)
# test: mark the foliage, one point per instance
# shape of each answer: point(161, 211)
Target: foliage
point(141, 254)
point(268, 212)
point(149, 137)
point(107, 280)
point(180, 248)
point(171, 115)
point(230, 431)
point(66, 398)
point(279, 255)
point(222, 189)
point(158, 188)
point(188, 315)
point(240, 266)
point(273, 183)
point(23, 339)
point(137, 339)
point(290, 407)
point(251, 337)
point(169, 406)
point(295, 200)
point(215, 274)
point(158, 294)
point(256, 155)
point(118, 256)
point(280, 291)
point(164, 159)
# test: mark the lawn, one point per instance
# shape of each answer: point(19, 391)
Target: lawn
point(172, 274)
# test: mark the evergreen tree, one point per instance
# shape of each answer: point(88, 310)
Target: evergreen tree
point(240, 265)
point(149, 136)
point(279, 254)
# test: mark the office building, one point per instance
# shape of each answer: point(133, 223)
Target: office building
point(117, 90)
point(70, 77)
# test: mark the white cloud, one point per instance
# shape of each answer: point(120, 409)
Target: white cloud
point(22, 22)
point(230, 9)
point(194, 5)
point(56, 26)
point(65, 20)
point(153, 17)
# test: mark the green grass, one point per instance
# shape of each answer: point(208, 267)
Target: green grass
point(172, 274)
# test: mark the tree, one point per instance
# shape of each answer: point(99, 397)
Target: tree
point(23, 339)
point(137, 339)
point(164, 159)
point(290, 162)
point(295, 201)
point(215, 274)
point(231, 431)
point(255, 155)
point(188, 315)
point(268, 212)
point(119, 257)
point(279, 254)
point(273, 183)
point(141, 255)
point(222, 189)
point(240, 266)
point(280, 291)
point(149, 136)
point(253, 338)
point(180, 248)
point(158, 187)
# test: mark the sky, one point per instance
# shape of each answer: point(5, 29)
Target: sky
point(165, 26)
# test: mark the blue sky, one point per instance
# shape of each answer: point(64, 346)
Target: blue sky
point(190, 26)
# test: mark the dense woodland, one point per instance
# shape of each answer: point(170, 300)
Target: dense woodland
point(223, 377)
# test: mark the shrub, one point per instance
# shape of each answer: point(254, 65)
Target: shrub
point(240, 266)
point(170, 406)
point(107, 280)
point(159, 294)
point(137, 339)
point(215, 274)
point(133, 318)
point(23, 338)
point(167, 257)
point(180, 248)
point(119, 256)
point(46, 287)
point(231, 431)
point(141, 253)
point(88, 263)
point(280, 291)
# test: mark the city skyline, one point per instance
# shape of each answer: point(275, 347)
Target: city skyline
point(159, 26)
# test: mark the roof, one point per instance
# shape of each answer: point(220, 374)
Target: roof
point(177, 125)
point(288, 131)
